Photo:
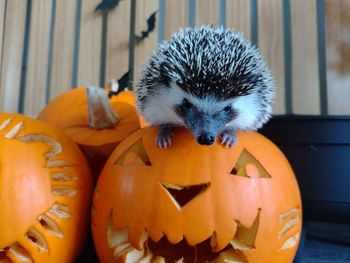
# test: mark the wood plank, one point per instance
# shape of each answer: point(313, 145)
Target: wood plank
point(62, 48)
point(12, 55)
point(175, 20)
point(270, 23)
point(144, 48)
point(238, 16)
point(207, 12)
point(337, 26)
point(117, 54)
point(2, 25)
point(36, 84)
point(305, 78)
point(89, 44)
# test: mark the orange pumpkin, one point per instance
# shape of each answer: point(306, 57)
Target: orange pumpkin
point(71, 111)
point(191, 202)
point(45, 192)
point(95, 123)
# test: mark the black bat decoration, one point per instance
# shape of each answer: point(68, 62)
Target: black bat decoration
point(107, 4)
point(123, 83)
point(151, 24)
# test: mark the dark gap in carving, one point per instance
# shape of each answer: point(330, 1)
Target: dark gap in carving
point(43, 223)
point(201, 252)
point(32, 238)
point(234, 171)
point(3, 255)
point(184, 194)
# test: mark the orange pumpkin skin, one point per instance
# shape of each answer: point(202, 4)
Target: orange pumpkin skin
point(70, 112)
point(45, 192)
point(251, 198)
point(126, 96)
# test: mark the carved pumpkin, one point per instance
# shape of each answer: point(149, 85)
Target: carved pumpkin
point(95, 123)
point(45, 192)
point(195, 204)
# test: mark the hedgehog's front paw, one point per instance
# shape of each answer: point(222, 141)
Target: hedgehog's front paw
point(164, 137)
point(228, 137)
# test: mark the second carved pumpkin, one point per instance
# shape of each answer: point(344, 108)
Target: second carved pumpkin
point(45, 192)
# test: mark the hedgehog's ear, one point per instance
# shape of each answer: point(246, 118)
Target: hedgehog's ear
point(164, 74)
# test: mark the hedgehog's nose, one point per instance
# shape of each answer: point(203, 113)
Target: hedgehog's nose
point(206, 139)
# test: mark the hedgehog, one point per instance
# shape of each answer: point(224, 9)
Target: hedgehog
point(211, 81)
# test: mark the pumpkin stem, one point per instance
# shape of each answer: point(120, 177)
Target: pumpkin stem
point(101, 114)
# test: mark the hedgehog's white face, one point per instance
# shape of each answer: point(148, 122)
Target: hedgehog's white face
point(206, 117)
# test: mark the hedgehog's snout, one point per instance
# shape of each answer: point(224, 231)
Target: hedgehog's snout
point(206, 138)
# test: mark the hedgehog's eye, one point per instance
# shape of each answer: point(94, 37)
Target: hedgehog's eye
point(186, 104)
point(227, 108)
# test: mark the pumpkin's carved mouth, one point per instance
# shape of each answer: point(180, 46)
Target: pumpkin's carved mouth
point(183, 252)
point(163, 251)
point(182, 195)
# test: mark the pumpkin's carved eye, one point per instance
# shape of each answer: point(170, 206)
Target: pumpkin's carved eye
point(181, 195)
point(135, 154)
point(248, 166)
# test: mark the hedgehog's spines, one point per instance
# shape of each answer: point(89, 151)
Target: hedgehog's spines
point(208, 61)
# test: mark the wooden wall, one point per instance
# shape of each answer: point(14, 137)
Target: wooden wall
point(49, 46)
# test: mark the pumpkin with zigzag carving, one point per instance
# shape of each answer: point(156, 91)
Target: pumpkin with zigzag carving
point(193, 203)
point(45, 192)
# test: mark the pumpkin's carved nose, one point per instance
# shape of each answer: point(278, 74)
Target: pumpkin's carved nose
point(182, 195)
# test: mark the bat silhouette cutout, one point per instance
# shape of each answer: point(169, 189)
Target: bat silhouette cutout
point(123, 83)
point(107, 4)
point(151, 24)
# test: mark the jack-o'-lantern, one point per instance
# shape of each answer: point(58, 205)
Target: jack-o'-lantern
point(45, 192)
point(97, 124)
point(193, 203)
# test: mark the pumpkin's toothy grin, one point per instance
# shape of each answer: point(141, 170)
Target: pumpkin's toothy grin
point(163, 251)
